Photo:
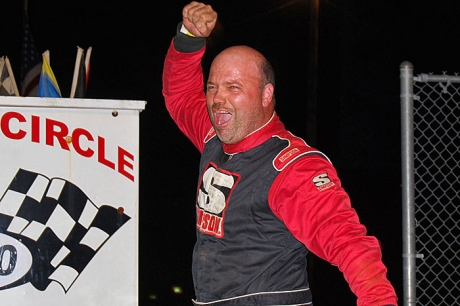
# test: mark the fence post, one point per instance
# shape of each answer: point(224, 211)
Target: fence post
point(407, 169)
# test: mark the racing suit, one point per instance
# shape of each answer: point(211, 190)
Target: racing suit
point(262, 204)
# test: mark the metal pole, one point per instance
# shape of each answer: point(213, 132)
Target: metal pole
point(407, 166)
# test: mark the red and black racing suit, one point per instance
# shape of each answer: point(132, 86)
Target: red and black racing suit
point(262, 204)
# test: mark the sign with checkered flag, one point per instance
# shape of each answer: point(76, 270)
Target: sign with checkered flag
point(69, 193)
point(57, 223)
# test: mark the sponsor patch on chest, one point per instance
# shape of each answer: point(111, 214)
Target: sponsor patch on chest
point(214, 193)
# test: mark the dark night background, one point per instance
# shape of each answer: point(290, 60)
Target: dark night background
point(361, 44)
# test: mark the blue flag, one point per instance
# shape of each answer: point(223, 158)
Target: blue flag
point(48, 86)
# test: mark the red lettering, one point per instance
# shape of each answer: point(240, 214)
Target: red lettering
point(5, 125)
point(60, 134)
point(35, 129)
point(101, 153)
point(214, 225)
point(199, 213)
point(217, 226)
point(209, 223)
point(212, 221)
point(76, 135)
point(122, 163)
point(205, 221)
point(14, 125)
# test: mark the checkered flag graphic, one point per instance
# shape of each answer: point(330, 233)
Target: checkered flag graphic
point(58, 223)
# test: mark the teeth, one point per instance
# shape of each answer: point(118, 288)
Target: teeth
point(222, 118)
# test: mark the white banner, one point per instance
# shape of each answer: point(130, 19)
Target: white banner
point(69, 188)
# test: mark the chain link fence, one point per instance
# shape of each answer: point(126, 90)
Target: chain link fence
point(430, 130)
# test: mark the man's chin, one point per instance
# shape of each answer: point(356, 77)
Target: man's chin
point(224, 138)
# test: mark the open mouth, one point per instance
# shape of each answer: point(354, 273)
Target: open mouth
point(221, 117)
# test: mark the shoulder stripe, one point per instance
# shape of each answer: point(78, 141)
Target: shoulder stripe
point(296, 148)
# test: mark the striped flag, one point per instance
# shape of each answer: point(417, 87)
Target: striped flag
point(50, 230)
point(31, 60)
point(80, 74)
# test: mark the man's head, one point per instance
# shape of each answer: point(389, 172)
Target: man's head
point(240, 93)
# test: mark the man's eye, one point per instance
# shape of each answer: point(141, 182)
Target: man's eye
point(211, 87)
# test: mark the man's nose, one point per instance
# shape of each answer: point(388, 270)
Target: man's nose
point(218, 97)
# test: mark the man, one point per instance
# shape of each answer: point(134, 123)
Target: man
point(265, 198)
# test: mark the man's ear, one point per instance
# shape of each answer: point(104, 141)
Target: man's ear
point(267, 94)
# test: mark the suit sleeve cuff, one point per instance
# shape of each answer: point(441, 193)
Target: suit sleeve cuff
point(185, 43)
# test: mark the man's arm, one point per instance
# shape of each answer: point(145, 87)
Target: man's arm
point(309, 199)
point(183, 85)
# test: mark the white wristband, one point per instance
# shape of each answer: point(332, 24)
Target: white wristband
point(185, 31)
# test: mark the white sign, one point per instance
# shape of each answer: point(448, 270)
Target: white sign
point(69, 188)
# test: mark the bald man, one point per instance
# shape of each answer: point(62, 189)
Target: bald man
point(264, 198)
